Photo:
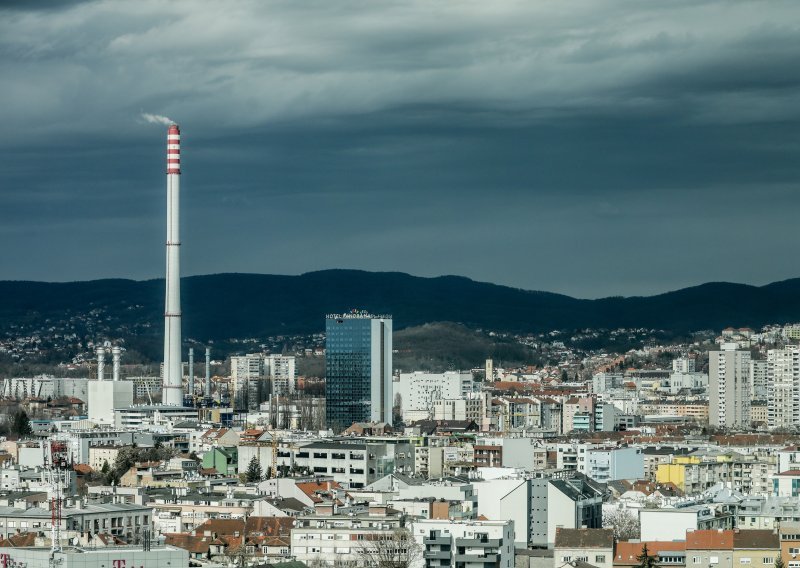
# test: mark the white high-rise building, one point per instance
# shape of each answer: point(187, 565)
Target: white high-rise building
point(250, 366)
point(418, 391)
point(248, 381)
point(281, 372)
point(729, 387)
point(783, 387)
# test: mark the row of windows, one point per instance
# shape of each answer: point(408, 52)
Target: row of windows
point(715, 559)
point(598, 558)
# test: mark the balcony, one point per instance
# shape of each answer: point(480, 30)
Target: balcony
point(438, 539)
point(486, 559)
point(479, 542)
point(436, 554)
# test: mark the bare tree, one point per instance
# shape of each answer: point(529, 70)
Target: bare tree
point(624, 522)
point(396, 549)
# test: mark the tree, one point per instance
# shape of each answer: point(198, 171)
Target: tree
point(646, 560)
point(254, 471)
point(105, 468)
point(397, 549)
point(21, 424)
point(624, 523)
point(779, 563)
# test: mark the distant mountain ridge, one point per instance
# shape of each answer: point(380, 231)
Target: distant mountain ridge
point(220, 306)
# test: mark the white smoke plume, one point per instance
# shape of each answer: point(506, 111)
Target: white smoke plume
point(157, 119)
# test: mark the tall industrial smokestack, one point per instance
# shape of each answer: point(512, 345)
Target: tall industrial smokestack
point(191, 371)
point(116, 353)
point(172, 392)
point(207, 390)
point(101, 363)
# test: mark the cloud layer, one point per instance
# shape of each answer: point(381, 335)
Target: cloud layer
point(592, 148)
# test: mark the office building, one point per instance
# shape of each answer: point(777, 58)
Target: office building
point(358, 369)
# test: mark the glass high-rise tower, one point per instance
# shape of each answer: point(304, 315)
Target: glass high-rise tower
point(358, 369)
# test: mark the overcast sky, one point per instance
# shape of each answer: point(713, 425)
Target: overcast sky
point(591, 148)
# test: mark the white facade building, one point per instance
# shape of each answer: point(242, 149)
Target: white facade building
point(611, 464)
point(683, 365)
point(729, 387)
point(328, 539)
point(783, 387)
point(465, 543)
point(418, 391)
point(107, 396)
point(281, 371)
point(250, 366)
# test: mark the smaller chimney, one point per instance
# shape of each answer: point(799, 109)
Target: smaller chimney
point(191, 371)
point(207, 392)
point(116, 353)
point(101, 363)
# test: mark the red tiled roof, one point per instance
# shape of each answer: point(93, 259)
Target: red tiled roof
point(626, 551)
point(709, 540)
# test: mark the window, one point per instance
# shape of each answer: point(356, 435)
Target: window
point(566, 558)
point(768, 560)
point(695, 560)
point(794, 551)
point(713, 560)
point(600, 558)
point(744, 561)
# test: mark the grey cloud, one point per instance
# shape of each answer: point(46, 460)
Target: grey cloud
point(581, 148)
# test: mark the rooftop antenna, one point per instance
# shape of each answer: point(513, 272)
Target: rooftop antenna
point(54, 475)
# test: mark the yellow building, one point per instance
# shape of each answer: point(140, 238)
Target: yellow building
point(694, 473)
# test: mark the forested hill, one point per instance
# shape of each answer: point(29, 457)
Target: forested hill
point(222, 306)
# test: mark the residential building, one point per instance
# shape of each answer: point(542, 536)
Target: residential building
point(783, 387)
point(729, 387)
point(593, 546)
point(607, 464)
point(756, 548)
point(789, 534)
point(473, 407)
point(281, 371)
point(248, 381)
point(759, 379)
point(709, 548)
point(684, 365)
point(577, 413)
point(416, 392)
point(328, 538)
point(465, 543)
point(673, 524)
point(358, 369)
point(667, 553)
point(539, 506)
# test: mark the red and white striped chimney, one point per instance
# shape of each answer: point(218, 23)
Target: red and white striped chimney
point(172, 392)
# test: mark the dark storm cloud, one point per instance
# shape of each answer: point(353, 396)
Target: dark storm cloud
point(591, 148)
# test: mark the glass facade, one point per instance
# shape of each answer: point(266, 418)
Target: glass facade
point(350, 371)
